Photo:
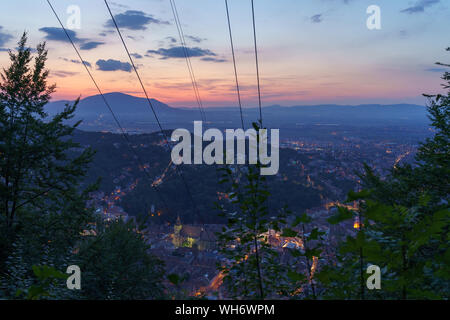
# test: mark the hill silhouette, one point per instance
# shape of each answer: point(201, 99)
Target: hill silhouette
point(119, 102)
point(135, 110)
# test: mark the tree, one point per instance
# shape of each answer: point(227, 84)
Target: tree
point(307, 255)
point(36, 169)
point(404, 220)
point(44, 220)
point(252, 269)
point(116, 264)
point(41, 201)
point(422, 196)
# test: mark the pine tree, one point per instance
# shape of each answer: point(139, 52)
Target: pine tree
point(117, 266)
point(405, 219)
point(40, 169)
point(43, 210)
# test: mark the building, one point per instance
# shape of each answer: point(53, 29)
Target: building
point(200, 236)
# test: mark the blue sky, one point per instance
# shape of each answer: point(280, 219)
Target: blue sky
point(311, 52)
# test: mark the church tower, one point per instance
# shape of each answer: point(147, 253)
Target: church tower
point(178, 226)
point(177, 239)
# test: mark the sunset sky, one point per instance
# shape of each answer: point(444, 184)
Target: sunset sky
point(311, 51)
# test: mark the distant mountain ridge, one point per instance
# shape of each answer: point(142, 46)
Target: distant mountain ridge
point(119, 102)
point(136, 109)
point(122, 99)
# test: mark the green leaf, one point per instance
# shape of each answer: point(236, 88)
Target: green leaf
point(295, 276)
point(353, 196)
point(35, 292)
point(301, 219)
point(310, 253)
point(315, 234)
point(296, 253)
point(289, 233)
point(361, 238)
point(378, 212)
point(342, 215)
point(174, 278)
point(45, 272)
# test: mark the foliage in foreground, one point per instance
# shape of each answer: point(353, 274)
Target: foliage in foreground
point(43, 215)
point(404, 223)
point(402, 226)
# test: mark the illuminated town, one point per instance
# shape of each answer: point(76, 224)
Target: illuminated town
point(192, 249)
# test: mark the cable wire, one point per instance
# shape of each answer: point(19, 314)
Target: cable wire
point(234, 64)
point(150, 103)
point(187, 57)
point(257, 63)
point(122, 130)
point(191, 72)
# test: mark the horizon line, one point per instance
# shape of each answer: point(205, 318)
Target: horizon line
point(247, 108)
